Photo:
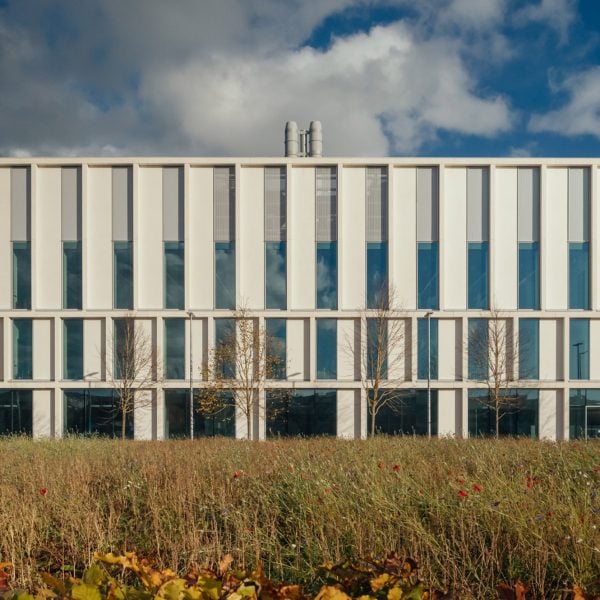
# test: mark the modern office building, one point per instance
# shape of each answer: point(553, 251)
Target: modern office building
point(305, 243)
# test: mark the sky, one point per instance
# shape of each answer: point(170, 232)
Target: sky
point(221, 77)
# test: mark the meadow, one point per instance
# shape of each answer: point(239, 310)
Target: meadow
point(472, 513)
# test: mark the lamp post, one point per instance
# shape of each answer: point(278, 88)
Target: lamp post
point(191, 315)
point(428, 317)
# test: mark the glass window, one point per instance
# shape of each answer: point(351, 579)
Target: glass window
point(529, 348)
point(478, 275)
point(518, 415)
point(377, 274)
point(177, 417)
point(584, 414)
point(529, 275)
point(327, 275)
point(174, 275)
point(95, 412)
point(301, 412)
point(22, 349)
point(326, 348)
point(22, 275)
point(16, 412)
point(275, 275)
point(579, 275)
point(72, 275)
point(579, 355)
point(276, 348)
point(123, 275)
point(175, 348)
point(407, 415)
point(377, 349)
point(427, 275)
point(225, 275)
point(73, 348)
point(427, 355)
point(478, 348)
point(124, 342)
point(225, 343)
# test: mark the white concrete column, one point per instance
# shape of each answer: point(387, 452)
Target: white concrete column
point(43, 413)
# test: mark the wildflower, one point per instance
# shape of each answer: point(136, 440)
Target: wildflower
point(43, 491)
point(396, 468)
point(237, 474)
point(327, 490)
point(381, 464)
point(550, 514)
point(460, 480)
point(497, 503)
point(463, 494)
point(477, 488)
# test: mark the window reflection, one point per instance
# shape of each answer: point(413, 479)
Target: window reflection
point(377, 274)
point(22, 349)
point(327, 275)
point(423, 355)
point(579, 344)
point(579, 275)
point(478, 275)
point(407, 414)
point(275, 275)
point(174, 275)
point(529, 275)
point(326, 348)
point(73, 348)
point(427, 275)
point(16, 412)
point(174, 348)
point(21, 275)
point(225, 275)
point(529, 349)
point(123, 275)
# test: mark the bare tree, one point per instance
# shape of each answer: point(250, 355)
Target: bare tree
point(492, 346)
point(134, 367)
point(381, 347)
point(241, 363)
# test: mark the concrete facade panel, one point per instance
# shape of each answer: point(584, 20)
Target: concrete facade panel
point(43, 350)
point(43, 413)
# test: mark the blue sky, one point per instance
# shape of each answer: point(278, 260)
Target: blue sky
point(220, 77)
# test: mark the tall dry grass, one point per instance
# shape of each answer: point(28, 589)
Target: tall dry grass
point(472, 512)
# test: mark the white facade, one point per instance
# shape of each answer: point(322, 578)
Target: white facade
point(549, 221)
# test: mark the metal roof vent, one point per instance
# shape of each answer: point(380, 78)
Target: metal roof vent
point(303, 142)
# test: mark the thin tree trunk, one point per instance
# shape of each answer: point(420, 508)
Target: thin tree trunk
point(373, 415)
point(248, 423)
point(123, 417)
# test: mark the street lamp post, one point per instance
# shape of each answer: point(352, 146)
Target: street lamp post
point(428, 317)
point(191, 315)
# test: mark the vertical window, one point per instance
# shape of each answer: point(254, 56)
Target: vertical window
point(579, 344)
point(377, 349)
point(529, 275)
point(584, 414)
point(477, 237)
point(123, 275)
point(529, 348)
point(326, 348)
point(326, 238)
point(122, 231)
point(579, 237)
point(124, 366)
point(174, 275)
point(73, 349)
point(225, 344)
point(478, 349)
point(21, 275)
point(377, 237)
point(16, 414)
point(22, 349)
point(175, 348)
point(528, 234)
point(276, 348)
point(173, 237)
point(72, 275)
point(427, 354)
point(71, 236)
point(301, 412)
point(427, 275)
point(224, 235)
point(20, 235)
point(275, 238)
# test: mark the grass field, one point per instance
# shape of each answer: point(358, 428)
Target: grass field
point(472, 513)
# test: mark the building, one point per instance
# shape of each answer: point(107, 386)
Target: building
point(304, 242)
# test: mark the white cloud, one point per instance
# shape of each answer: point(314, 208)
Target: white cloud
point(581, 114)
point(222, 77)
point(557, 14)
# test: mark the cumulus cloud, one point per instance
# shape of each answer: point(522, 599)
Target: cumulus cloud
point(221, 77)
point(581, 113)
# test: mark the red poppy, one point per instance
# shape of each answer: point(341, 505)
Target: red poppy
point(237, 474)
point(381, 464)
point(463, 494)
point(460, 480)
point(477, 488)
point(396, 468)
point(43, 491)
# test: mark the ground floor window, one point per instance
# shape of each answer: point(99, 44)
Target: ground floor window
point(406, 414)
point(301, 412)
point(177, 416)
point(16, 412)
point(584, 414)
point(95, 412)
point(517, 413)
